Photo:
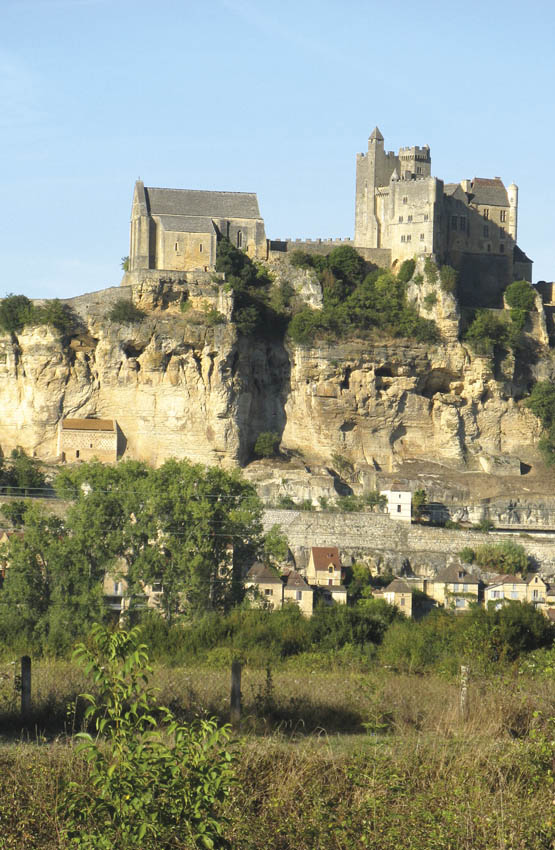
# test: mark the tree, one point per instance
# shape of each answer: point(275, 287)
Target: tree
point(487, 332)
point(542, 402)
point(520, 295)
point(267, 444)
point(276, 547)
point(419, 499)
point(15, 311)
point(151, 778)
point(125, 312)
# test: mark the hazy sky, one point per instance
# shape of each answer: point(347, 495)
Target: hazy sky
point(273, 98)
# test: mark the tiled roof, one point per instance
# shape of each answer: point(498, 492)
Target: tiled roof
point(397, 586)
point(262, 574)
point(323, 556)
point(375, 134)
point(199, 203)
point(454, 574)
point(489, 192)
point(295, 579)
point(187, 223)
point(88, 425)
point(519, 256)
point(516, 579)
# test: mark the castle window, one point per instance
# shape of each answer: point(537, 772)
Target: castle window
point(403, 238)
point(463, 223)
point(227, 230)
point(486, 213)
point(77, 453)
point(421, 237)
point(239, 239)
point(409, 218)
point(408, 237)
point(502, 247)
point(425, 216)
point(177, 246)
point(200, 248)
point(489, 247)
point(454, 222)
point(486, 229)
point(400, 219)
point(502, 215)
point(418, 169)
point(501, 232)
point(405, 200)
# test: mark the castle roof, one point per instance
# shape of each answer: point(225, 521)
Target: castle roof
point(375, 135)
point(187, 223)
point(489, 192)
point(88, 425)
point(519, 256)
point(194, 202)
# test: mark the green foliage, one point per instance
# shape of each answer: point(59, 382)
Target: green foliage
point(125, 263)
point(542, 402)
point(418, 279)
point(267, 444)
point(253, 314)
point(213, 317)
point(487, 332)
point(419, 499)
point(467, 555)
point(430, 270)
point(373, 498)
point(518, 318)
point(301, 259)
point(448, 279)
point(506, 557)
point(150, 777)
point(354, 303)
point(124, 312)
point(15, 512)
point(15, 312)
point(342, 465)
point(485, 526)
point(349, 504)
point(406, 270)
point(276, 547)
point(22, 475)
point(520, 295)
point(429, 300)
point(546, 445)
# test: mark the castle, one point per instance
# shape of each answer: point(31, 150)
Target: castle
point(401, 211)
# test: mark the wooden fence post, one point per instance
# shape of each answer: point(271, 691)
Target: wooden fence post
point(463, 704)
point(25, 685)
point(235, 700)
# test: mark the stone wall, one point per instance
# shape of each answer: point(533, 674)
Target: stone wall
point(388, 545)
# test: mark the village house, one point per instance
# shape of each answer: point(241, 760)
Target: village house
point(399, 504)
point(398, 593)
point(454, 587)
point(324, 570)
point(297, 590)
point(87, 439)
point(536, 590)
point(506, 588)
point(268, 584)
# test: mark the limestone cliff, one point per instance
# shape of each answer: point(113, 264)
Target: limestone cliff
point(180, 387)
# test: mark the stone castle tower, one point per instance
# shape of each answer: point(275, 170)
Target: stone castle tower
point(400, 208)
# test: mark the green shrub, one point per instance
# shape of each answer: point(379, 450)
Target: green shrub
point(418, 279)
point(342, 464)
point(542, 402)
point(429, 300)
point(213, 317)
point(467, 555)
point(125, 263)
point(247, 320)
point(124, 312)
point(301, 259)
point(349, 504)
point(520, 295)
point(485, 526)
point(486, 332)
point(146, 783)
point(15, 312)
point(506, 557)
point(267, 444)
point(448, 279)
point(518, 318)
point(406, 271)
point(430, 270)
point(419, 499)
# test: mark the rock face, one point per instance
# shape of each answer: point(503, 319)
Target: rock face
point(181, 387)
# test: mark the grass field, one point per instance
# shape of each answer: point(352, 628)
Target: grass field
point(324, 760)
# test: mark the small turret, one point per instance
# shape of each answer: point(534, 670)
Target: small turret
point(375, 136)
point(512, 194)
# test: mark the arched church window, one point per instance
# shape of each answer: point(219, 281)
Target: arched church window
point(239, 238)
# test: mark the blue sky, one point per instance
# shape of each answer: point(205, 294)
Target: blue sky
point(274, 98)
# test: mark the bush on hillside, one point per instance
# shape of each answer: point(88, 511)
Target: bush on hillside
point(267, 444)
point(487, 332)
point(15, 312)
point(406, 270)
point(520, 295)
point(448, 279)
point(506, 557)
point(124, 312)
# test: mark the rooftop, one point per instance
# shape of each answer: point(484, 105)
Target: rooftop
point(88, 425)
point(195, 202)
point(323, 556)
